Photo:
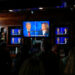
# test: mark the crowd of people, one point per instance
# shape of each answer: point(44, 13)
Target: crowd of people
point(31, 60)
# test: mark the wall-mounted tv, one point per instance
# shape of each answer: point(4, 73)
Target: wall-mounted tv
point(15, 31)
point(61, 30)
point(36, 28)
point(62, 40)
point(16, 40)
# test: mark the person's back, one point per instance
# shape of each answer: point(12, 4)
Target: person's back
point(70, 65)
point(22, 56)
point(50, 59)
point(32, 66)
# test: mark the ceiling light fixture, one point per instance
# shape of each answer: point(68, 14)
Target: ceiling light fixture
point(40, 8)
point(10, 10)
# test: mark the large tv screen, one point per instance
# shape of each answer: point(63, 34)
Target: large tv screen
point(36, 28)
point(62, 30)
point(16, 31)
point(62, 40)
point(16, 40)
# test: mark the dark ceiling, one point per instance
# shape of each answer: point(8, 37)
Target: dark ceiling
point(7, 4)
point(17, 4)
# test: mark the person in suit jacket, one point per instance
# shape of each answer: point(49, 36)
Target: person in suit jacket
point(44, 30)
point(28, 32)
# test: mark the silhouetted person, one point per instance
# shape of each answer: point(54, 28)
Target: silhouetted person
point(33, 65)
point(70, 65)
point(23, 55)
point(5, 60)
point(50, 59)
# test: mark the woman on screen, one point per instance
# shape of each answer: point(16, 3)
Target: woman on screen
point(19, 32)
point(44, 30)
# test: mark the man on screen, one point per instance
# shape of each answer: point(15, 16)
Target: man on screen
point(58, 31)
point(58, 40)
point(12, 31)
point(44, 30)
point(28, 32)
point(13, 40)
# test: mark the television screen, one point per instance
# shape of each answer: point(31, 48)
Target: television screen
point(15, 31)
point(62, 40)
point(61, 30)
point(16, 40)
point(36, 28)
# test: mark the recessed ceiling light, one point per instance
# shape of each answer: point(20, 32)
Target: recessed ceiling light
point(32, 12)
point(74, 6)
point(10, 10)
point(41, 8)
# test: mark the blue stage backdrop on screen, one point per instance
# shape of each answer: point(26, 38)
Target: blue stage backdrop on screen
point(16, 40)
point(36, 28)
point(62, 40)
point(15, 31)
point(61, 30)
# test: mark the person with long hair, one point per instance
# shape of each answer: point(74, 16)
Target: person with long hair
point(70, 65)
